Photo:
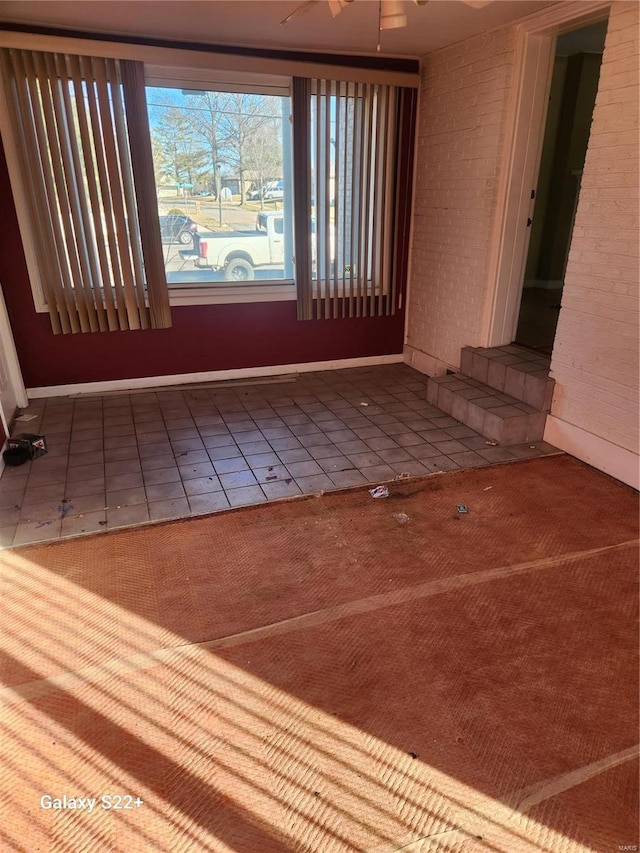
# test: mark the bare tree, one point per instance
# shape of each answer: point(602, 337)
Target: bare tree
point(204, 115)
point(263, 154)
point(177, 154)
point(242, 119)
point(196, 133)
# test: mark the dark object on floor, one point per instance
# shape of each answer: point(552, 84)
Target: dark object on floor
point(35, 445)
point(15, 456)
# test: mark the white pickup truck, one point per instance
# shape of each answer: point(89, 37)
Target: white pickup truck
point(238, 253)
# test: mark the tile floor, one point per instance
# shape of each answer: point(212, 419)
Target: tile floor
point(123, 459)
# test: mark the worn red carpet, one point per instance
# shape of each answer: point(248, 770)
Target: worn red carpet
point(335, 673)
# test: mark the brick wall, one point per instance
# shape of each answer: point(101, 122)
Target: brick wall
point(461, 118)
point(464, 96)
point(595, 358)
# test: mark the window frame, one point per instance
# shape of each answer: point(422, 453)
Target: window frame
point(182, 77)
point(189, 64)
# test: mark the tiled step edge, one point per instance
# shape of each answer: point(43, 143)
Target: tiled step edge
point(493, 414)
point(522, 375)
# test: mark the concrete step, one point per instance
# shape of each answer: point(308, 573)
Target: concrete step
point(516, 371)
point(492, 413)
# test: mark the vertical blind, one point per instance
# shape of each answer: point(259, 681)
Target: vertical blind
point(83, 181)
point(351, 146)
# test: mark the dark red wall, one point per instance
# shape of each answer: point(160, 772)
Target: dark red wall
point(203, 337)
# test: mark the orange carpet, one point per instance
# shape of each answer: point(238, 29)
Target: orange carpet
point(335, 673)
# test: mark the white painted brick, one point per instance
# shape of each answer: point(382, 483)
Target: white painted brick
point(595, 358)
point(462, 104)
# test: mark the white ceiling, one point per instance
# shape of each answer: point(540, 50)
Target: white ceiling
point(256, 23)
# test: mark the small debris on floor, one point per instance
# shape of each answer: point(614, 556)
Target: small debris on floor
point(491, 443)
point(25, 417)
point(486, 488)
point(404, 476)
point(401, 517)
point(364, 404)
point(65, 508)
point(42, 524)
point(272, 477)
point(379, 492)
point(413, 754)
point(462, 508)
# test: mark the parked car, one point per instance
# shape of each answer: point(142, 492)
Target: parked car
point(239, 253)
point(270, 191)
point(178, 228)
point(274, 190)
point(255, 194)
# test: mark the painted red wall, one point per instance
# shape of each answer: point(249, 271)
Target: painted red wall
point(203, 337)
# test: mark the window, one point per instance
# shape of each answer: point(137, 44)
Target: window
point(169, 179)
point(223, 182)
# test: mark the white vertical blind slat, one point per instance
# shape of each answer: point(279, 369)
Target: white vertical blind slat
point(337, 198)
point(354, 107)
point(41, 95)
point(77, 200)
point(105, 87)
point(367, 281)
point(327, 197)
point(387, 200)
point(374, 201)
point(109, 227)
point(103, 294)
point(129, 194)
point(358, 192)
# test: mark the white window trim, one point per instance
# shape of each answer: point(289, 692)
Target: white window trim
point(174, 77)
point(210, 294)
point(206, 59)
point(222, 81)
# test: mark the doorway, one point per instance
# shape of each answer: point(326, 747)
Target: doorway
point(572, 95)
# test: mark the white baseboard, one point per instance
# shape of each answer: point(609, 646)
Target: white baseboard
point(425, 363)
point(207, 376)
point(614, 460)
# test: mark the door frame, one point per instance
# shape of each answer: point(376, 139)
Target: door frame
point(526, 115)
point(12, 365)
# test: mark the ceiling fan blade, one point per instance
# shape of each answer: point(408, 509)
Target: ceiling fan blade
point(392, 16)
point(477, 4)
point(299, 10)
point(336, 6)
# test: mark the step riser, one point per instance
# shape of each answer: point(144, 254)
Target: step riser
point(497, 372)
point(504, 424)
